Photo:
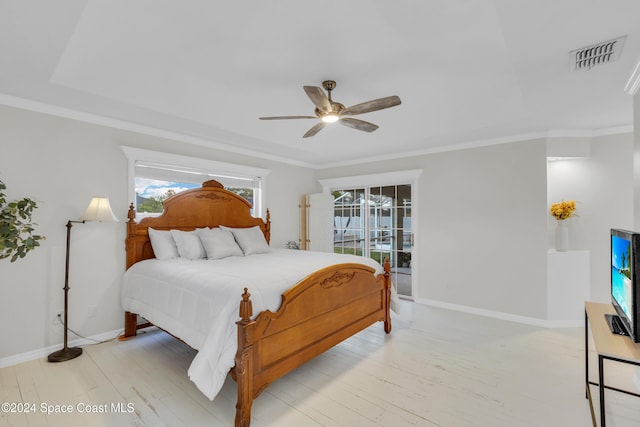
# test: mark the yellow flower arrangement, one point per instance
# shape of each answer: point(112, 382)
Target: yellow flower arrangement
point(563, 210)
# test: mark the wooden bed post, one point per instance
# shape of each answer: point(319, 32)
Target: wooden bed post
point(244, 363)
point(130, 326)
point(387, 286)
point(267, 230)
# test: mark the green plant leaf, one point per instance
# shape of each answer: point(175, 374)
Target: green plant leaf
point(16, 228)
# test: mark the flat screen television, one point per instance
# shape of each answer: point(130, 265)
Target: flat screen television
point(625, 282)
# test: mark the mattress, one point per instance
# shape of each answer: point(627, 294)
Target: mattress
point(197, 300)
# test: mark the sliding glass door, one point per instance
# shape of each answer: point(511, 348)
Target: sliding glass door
point(376, 222)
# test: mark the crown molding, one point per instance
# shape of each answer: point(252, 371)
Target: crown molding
point(554, 133)
point(633, 83)
point(54, 110)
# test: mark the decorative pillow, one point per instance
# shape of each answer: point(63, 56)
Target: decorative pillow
point(164, 247)
point(188, 244)
point(251, 240)
point(218, 243)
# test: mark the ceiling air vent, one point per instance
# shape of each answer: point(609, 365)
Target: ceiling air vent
point(597, 54)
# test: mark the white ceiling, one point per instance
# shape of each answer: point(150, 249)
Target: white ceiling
point(468, 71)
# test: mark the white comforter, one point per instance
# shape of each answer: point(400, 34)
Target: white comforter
point(198, 300)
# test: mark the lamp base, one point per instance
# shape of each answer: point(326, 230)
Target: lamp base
point(65, 354)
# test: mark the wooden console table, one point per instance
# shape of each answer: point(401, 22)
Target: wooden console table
point(608, 346)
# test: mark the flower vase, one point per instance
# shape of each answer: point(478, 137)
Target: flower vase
point(562, 236)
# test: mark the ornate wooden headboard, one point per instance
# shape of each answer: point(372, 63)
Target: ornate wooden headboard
point(208, 206)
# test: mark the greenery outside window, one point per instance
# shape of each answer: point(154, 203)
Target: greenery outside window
point(155, 176)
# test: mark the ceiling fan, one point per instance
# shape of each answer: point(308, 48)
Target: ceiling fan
point(329, 111)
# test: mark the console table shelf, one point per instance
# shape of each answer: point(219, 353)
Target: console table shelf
point(608, 346)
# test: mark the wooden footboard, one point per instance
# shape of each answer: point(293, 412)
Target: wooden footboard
point(316, 314)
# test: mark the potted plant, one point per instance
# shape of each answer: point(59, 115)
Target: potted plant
point(405, 259)
point(16, 227)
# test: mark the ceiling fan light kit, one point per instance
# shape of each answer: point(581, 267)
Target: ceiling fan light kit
point(330, 118)
point(329, 111)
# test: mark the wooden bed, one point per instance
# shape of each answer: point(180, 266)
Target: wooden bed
point(317, 313)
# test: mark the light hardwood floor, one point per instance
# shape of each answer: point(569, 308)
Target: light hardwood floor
point(436, 368)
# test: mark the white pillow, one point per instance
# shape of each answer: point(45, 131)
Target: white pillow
point(164, 247)
point(188, 244)
point(218, 243)
point(251, 240)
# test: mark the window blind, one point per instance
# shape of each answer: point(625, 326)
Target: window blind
point(165, 172)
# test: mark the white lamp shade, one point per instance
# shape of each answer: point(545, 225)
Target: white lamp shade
point(99, 210)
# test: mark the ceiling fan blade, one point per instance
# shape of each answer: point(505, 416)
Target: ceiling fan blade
point(318, 97)
point(374, 105)
point(317, 128)
point(287, 117)
point(358, 124)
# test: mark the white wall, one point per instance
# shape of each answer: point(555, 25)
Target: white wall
point(484, 221)
point(602, 185)
point(62, 163)
point(485, 227)
point(482, 226)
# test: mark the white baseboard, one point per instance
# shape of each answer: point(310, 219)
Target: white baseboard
point(43, 352)
point(533, 321)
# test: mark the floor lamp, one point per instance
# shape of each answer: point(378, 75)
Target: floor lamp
point(98, 210)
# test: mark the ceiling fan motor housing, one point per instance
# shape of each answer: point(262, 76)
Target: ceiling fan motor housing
point(336, 108)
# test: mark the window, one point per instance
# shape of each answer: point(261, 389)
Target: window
point(155, 176)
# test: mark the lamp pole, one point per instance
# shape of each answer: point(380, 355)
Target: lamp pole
point(66, 353)
point(99, 210)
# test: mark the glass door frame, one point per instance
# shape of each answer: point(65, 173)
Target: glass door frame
point(408, 177)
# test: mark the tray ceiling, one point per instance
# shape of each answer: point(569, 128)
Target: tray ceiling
point(467, 72)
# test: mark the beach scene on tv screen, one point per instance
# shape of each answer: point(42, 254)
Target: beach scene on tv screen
point(621, 273)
